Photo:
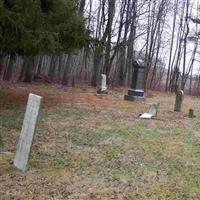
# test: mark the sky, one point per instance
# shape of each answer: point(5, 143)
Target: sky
point(166, 34)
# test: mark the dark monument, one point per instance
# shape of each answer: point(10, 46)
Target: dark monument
point(136, 92)
point(191, 113)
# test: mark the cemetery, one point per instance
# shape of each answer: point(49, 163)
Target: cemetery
point(86, 146)
point(99, 100)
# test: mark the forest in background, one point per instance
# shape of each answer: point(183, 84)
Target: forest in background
point(74, 41)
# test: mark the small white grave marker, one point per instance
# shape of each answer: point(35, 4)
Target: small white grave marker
point(27, 134)
point(103, 87)
point(103, 82)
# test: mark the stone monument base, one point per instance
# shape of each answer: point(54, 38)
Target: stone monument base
point(135, 95)
point(102, 91)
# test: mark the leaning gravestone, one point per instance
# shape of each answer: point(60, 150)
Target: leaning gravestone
point(152, 112)
point(103, 87)
point(179, 100)
point(28, 130)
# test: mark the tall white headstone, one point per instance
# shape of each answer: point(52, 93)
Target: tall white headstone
point(28, 130)
point(103, 82)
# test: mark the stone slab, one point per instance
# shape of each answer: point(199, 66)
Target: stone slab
point(28, 130)
point(133, 98)
point(152, 112)
point(104, 92)
point(139, 93)
point(146, 116)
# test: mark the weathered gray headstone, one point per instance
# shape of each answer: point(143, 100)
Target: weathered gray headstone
point(103, 86)
point(103, 82)
point(28, 130)
point(152, 112)
point(179, 100)
point(154, 109)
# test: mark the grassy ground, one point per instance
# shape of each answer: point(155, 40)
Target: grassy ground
point(93, 147)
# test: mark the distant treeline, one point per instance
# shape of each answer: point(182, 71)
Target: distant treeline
point(75, 41)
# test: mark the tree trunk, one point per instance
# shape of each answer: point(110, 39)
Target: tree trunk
point(130, 50)
point(65, 78)
point(123, 66)
point(185, 46)
point(96, 65)
point(38, 72)
point(29, 72)
point(171, 46)
point(23, 68)
point(9, 69)
point(191, 80)
point(1, 65)
point(52, 68)
point(111, 13)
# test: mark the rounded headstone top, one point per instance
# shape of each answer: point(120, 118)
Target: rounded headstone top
point(139, 63)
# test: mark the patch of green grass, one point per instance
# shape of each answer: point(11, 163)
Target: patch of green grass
point(112, 169)
point(12, 118)
point(116, 132)
point(49, 162)
point(1, 139)
point(80, 165)
point(60, 113)
point(33, 163)
point(82, 137)
point(111, 153)
point(168, 158)
point(65, 112)
point(60, 162)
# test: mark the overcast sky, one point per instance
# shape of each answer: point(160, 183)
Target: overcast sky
point(166, 34)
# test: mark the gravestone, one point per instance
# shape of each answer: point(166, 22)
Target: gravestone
point(179, 100)
point(1, 142)
point(103, 86)
point(152, 112)
point(136, 92)
point(191, 113)
point(28, 130)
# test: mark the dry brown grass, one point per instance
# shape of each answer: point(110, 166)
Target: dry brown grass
point(95, 147)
